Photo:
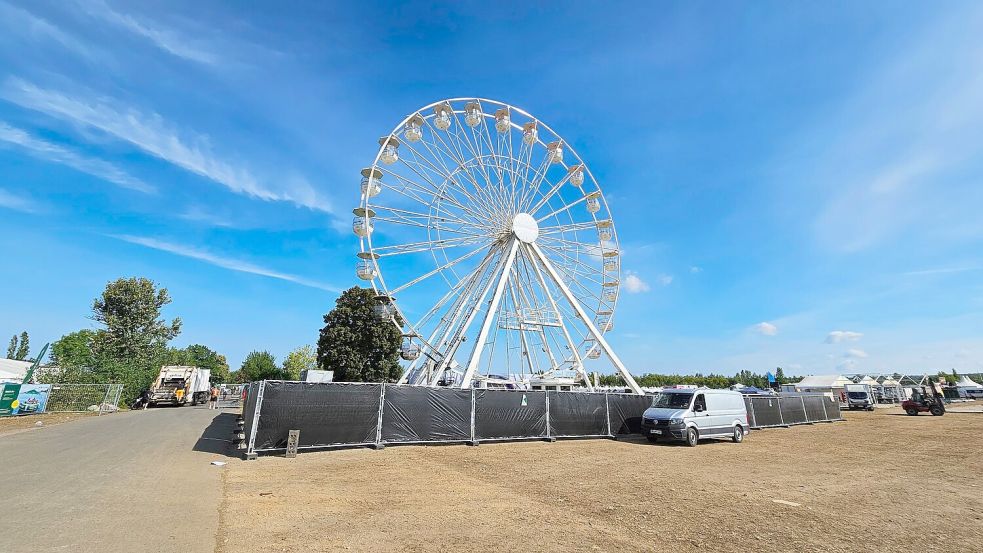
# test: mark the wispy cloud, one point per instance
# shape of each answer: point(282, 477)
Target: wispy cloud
point(48, 151)
point(166, 39)
point(855, 353)
point(634, 284)
point(9, 200)
point(25, 23)
point(695, 270)
point(152, 134)
point(665, 280)
point(765, 329)
point(220, 261)
point(837, 336)
point(942, 271)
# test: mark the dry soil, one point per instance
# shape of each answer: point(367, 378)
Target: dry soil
point(877, 482)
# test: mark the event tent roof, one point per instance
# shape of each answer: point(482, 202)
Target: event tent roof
point(824, 381)
point(12, 370)
point(965, 382)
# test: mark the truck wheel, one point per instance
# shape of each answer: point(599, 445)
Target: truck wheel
point(937, 411)
point(912, 411)
point(692, 437)
point(738, 434)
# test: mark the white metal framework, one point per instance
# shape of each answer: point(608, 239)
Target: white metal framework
point(496, 239)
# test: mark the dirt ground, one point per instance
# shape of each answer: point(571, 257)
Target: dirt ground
point(877, 482)
point(9, 425)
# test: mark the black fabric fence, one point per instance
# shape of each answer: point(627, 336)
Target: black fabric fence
point(341, 414)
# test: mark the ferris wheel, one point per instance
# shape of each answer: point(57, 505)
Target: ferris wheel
point(490, 245)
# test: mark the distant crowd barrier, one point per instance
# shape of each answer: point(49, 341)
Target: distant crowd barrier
point(791, 409)
point(349, 414)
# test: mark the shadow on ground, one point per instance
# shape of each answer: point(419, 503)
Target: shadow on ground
point(217, 437)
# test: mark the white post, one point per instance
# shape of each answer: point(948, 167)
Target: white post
point(479, 343)
point(628, 378)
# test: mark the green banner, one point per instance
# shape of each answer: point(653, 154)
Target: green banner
point(8, 399)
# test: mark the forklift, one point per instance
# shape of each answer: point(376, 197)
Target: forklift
point(926, 399)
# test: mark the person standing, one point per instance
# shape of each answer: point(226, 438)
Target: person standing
point(213, 399)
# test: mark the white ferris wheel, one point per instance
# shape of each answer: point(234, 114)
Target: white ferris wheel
point(491, 247)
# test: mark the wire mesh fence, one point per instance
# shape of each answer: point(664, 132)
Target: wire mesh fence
point(77, 398)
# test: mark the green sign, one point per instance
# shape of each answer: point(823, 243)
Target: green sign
point(8, 399)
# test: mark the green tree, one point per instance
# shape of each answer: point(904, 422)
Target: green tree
point(299, 360)
point(129, 308)
point(12, 348)
point(74, 350)
point(24, 349)
point(355, 343)
point(197, 355)
point(780, 376)
point(259, 365)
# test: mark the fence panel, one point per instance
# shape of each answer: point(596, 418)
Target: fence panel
point(326, 414)
point(814, 408)
point(418, 414)
point(767, 412)
point(77, 398)
point(625, 412)
point(749, 406)
point(792, 411)
point(503, 414)
point(578, 414)
point(832, 409)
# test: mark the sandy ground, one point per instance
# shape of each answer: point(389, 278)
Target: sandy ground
point(867, 484)
point(9, 425)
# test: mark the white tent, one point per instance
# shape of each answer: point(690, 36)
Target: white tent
point(822, 382)
point(13, 371)
point(965, 383)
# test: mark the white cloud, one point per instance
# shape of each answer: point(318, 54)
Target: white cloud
point(855, 353)
point(837, 336)
point(634, 284)
point(152, 134)
point(665, 280)
point(166, 39)
point(766, 329)
point(694, 269)
point(17, 203)
point(17, 20)
point(847, 365)
point(55, 153)
point(224, 262)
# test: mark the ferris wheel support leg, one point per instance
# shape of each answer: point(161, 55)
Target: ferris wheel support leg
point(628, 378)
point(479, 343)
point(566, 334)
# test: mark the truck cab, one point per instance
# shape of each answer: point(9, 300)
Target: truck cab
point(180, 385)
point(859, 396)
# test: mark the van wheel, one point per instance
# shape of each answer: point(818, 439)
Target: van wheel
point(692, 437)
point(738, 434)
point(652, 439)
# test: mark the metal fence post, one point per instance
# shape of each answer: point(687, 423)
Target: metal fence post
point(548, 431)
point(378, 428)
point(825, 412)
point(781, 417)
point(607, 409)
point(252, 431)
point(752, 416)
point(805, 414)
point(473, 438)
point(105, 398)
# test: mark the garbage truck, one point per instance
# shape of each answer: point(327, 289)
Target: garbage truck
point(180, 385)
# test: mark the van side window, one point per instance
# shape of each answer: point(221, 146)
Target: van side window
point(700, 403)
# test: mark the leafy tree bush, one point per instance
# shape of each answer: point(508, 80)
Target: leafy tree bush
point(299, 360)
point(355, 343)
point(259, 365)
point(24, 348)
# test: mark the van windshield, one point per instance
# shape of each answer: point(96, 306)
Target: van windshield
point(671, 401)
point(857, 395)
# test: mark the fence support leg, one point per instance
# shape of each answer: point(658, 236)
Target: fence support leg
point(251, 447)
point(607, 411)
point(781, 417)
point(378, 428)
point(473, 441)
point(804, 412)
point(549, 431)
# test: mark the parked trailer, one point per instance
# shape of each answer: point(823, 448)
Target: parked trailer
point(180, 385)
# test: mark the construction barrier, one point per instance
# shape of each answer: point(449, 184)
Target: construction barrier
point(351, 414)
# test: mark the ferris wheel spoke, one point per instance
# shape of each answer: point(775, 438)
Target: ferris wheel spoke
point(572, 227)
point(553, 190)
point(562, 209)
point(415, 247)
point(445, 174)
point(442, 193)
point(443, 267)
point(442, 151)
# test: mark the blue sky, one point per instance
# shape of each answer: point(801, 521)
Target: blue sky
point(794, 184)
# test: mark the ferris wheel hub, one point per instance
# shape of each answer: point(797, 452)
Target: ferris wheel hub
point(525, 228)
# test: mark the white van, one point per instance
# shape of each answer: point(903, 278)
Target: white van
point(691, 415)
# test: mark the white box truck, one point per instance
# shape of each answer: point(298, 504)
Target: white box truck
point(180, 385)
